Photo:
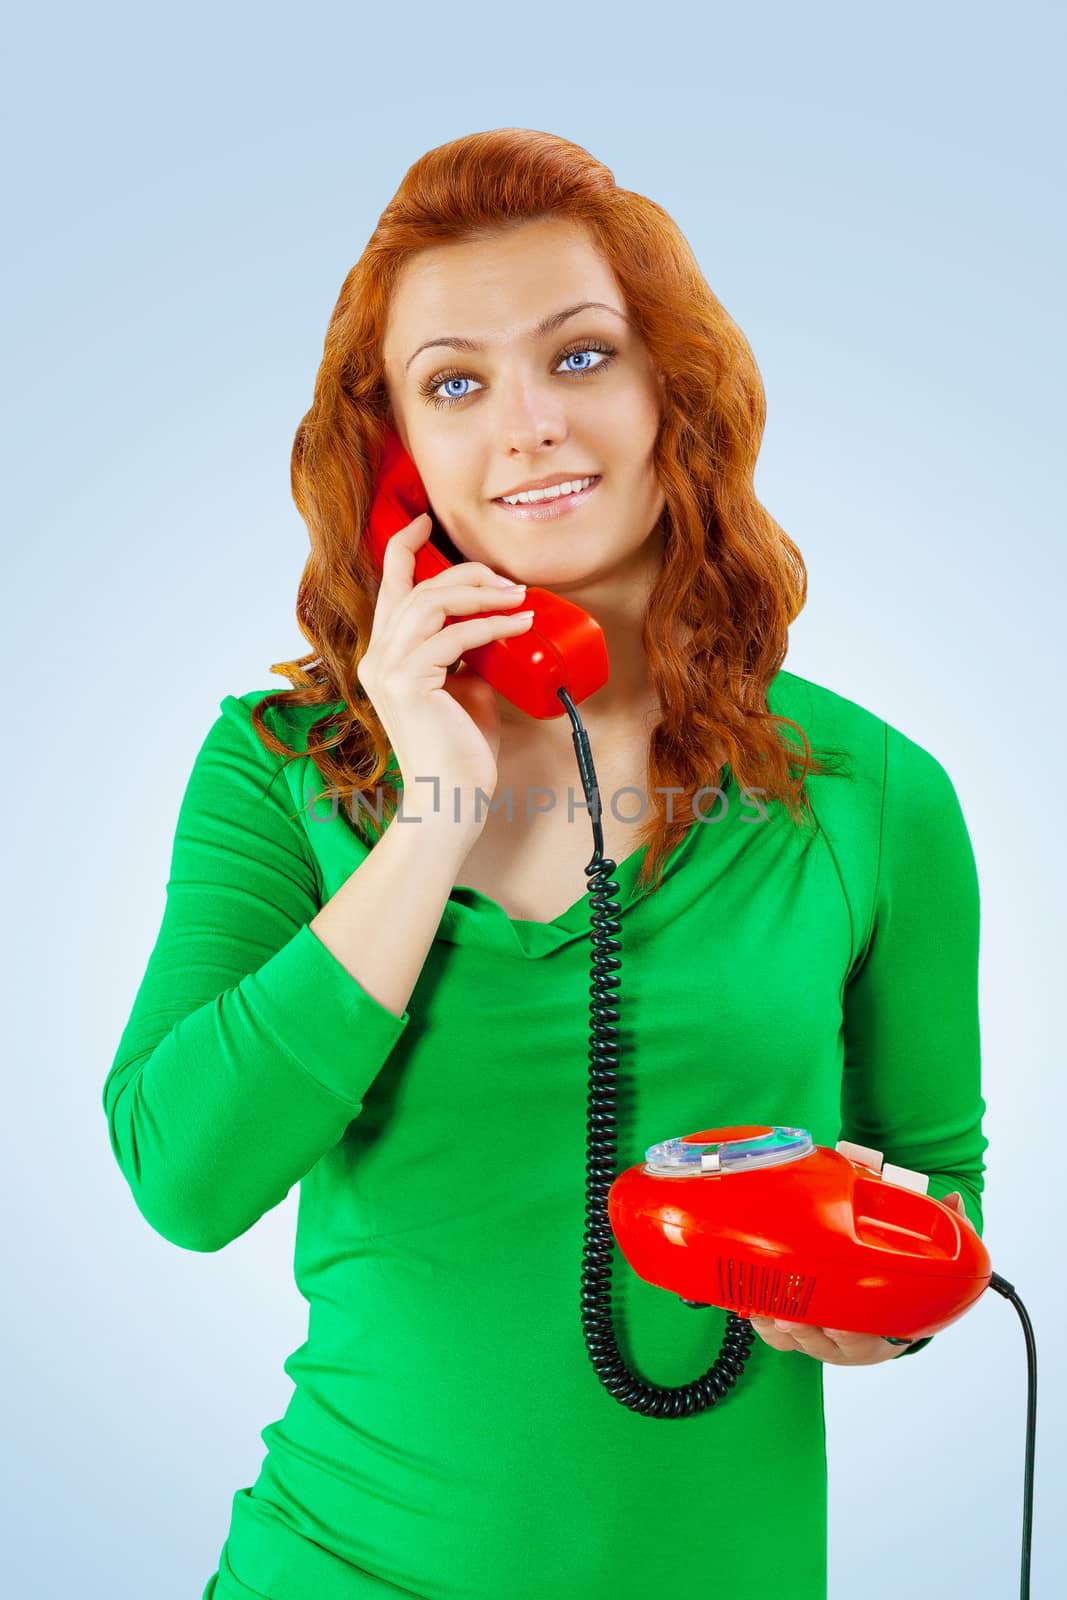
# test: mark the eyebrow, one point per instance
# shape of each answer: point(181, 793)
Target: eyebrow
point(537, 332)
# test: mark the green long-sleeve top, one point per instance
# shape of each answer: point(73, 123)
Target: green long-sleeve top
point(447, 1437)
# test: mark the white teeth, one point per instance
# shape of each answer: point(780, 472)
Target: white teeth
point(529, 496)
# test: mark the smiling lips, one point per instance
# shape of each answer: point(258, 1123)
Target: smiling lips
point(555, 505)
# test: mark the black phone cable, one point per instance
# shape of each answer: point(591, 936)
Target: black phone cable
point(1007, 1291)
point(628, 1388)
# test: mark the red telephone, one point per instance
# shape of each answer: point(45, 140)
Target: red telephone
point(563, 648)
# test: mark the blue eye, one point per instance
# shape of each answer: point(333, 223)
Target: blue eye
point(429, 389)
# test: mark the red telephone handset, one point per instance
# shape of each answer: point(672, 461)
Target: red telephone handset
point(563, 648)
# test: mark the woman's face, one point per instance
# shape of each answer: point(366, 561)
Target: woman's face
point(581, 399)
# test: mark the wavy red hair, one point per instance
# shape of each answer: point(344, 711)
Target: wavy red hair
point(732, 581)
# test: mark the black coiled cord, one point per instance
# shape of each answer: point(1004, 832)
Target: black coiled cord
point(650, 1399)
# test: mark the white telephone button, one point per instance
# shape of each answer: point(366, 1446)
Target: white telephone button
point(906, 1178)
point(861, 1153)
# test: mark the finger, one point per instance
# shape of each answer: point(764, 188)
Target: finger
point(397, 580)
point(420, 623)
point(836, 1347)
point(398, 562)
point(467, 572)
point(783, 1336)
point(462, 599)
point(955, 1200)
point(814, 1341)
point(861, 1348)
point(766, 1330)
point(461, 637)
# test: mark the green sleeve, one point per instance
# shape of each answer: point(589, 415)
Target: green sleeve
point(912, 1075)
point(249, 1046)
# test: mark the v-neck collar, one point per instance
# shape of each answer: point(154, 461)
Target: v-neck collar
point(471, 917)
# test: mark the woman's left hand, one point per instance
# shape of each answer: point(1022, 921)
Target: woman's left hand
point(832, 1345)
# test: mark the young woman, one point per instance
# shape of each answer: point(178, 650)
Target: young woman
point(392, 1010)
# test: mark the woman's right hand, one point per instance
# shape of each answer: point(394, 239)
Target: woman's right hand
point(440, 727)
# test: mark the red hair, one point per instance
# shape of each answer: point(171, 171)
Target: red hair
point(716, 626)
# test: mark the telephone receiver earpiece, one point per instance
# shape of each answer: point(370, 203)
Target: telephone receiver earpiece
point(563, 648)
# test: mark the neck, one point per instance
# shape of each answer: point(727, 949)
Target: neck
point(618, 604)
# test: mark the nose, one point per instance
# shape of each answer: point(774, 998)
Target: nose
point(533, 418)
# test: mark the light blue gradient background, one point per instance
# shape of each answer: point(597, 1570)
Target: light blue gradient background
point(871, 194)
